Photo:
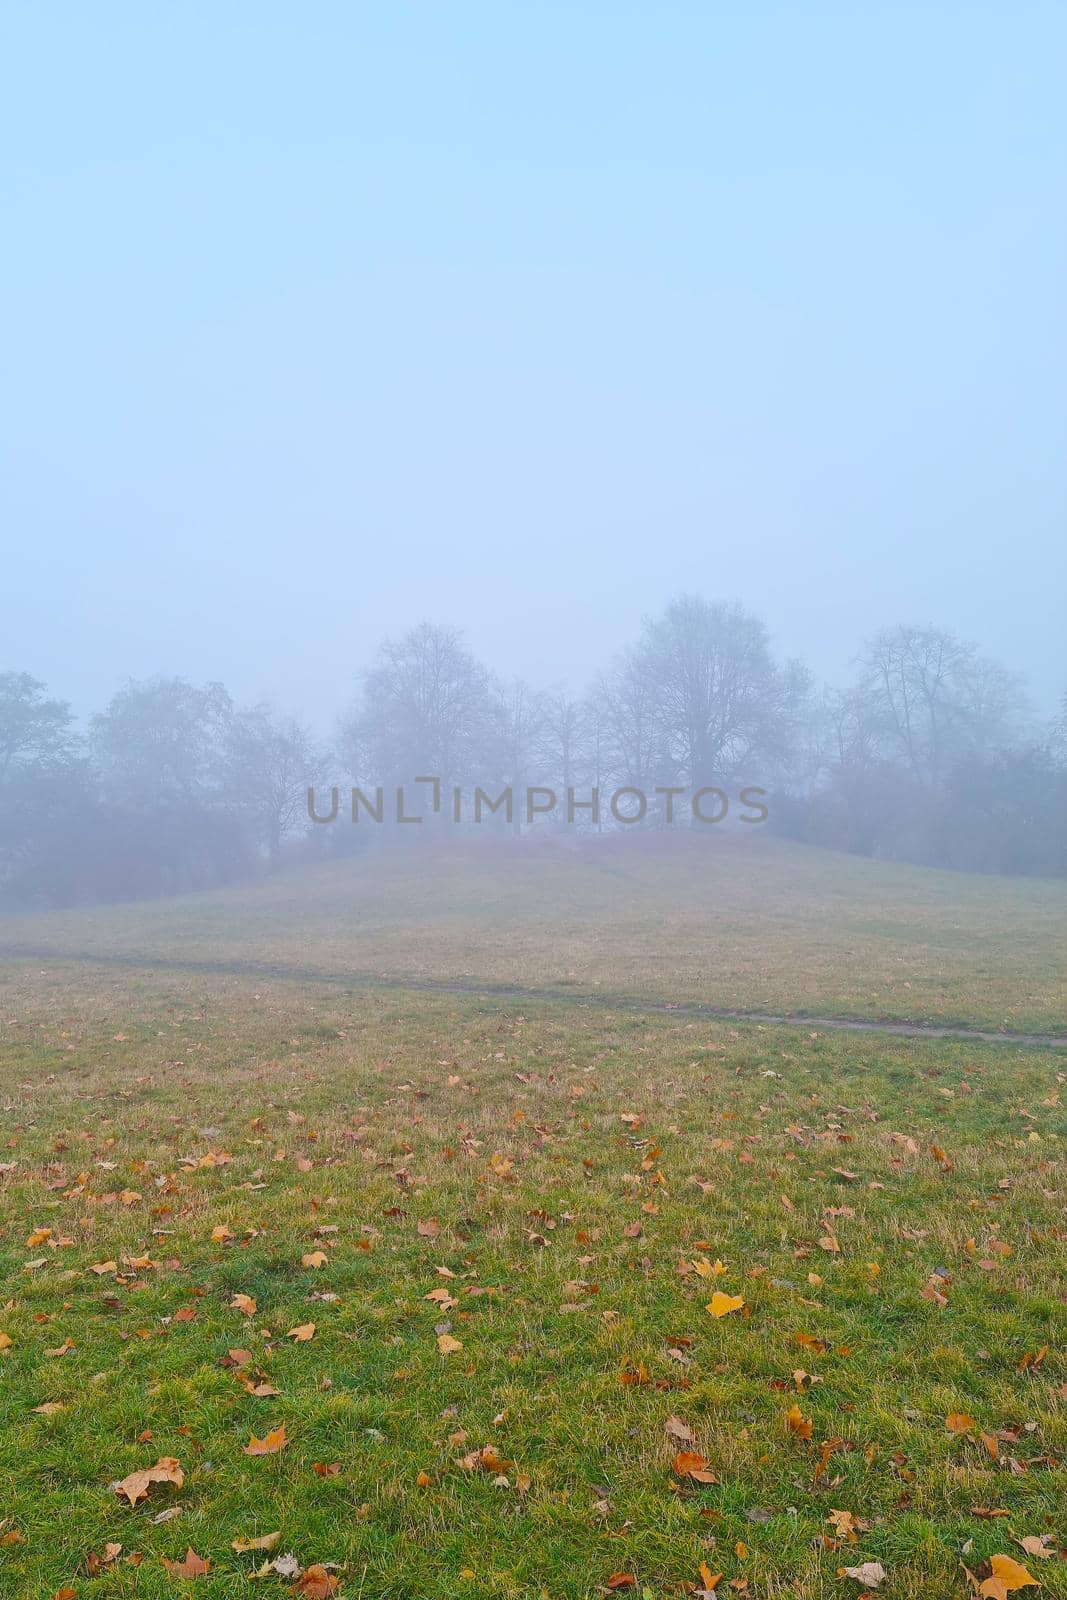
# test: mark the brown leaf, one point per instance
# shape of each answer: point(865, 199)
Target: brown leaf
point(1037, 1544)
point(869, 1573)
point(137, 1484)
point(680, 1430)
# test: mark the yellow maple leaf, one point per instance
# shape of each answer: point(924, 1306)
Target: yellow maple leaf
point(1011, 1574)
point(720, 1305)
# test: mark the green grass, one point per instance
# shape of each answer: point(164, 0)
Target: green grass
point(576, 1161)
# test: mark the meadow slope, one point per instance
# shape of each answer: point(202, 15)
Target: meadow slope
point(748, 922)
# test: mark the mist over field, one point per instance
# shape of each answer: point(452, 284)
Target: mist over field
point(533, 801)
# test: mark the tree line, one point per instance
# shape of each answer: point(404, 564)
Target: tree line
point(930, 755)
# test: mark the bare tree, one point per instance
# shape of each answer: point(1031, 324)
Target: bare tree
point(518, 718)
point(271, 761)
point(629, 718)
point(426, 707)
point(161, 742)
point(562, 736)
point(722, 705)
point(931, 698)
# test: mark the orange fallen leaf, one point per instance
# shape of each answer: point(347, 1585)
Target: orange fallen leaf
point(798, 1423)
point(689, 1464)
point(315, 1583)
point(315, 1258)
point(269, 1446)
point(244, 1303)
point(447, 1345)
point(960, 1422)
point(484, 1460)
point(191, 1565)
point(302, 1334)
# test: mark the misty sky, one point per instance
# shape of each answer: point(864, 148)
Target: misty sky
point(322, 319)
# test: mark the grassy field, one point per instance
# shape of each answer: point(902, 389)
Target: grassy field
point(449, 1259)
point(749, 922)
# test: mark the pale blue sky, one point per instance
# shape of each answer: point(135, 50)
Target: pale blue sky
point(320, 319)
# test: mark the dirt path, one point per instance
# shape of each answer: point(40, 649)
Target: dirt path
point(355, 980)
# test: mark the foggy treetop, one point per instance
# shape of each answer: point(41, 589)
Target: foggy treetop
point(931, 754)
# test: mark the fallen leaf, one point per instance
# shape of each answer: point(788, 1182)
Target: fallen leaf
point(680, 1430)
point(315, 1583)
point(688, 1464)
point(137, 1484)
point(1038, 1544)
point(1010, 1574)
point(274, 1441)
point(266, 1541)
point(720, 1305)
point(798, 1423)
point(869, 1573)
point(190, 1566)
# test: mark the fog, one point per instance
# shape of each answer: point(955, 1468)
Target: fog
point(527, 321)
point(527, 324)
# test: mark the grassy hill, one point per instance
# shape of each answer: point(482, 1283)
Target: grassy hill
point(752, 923)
